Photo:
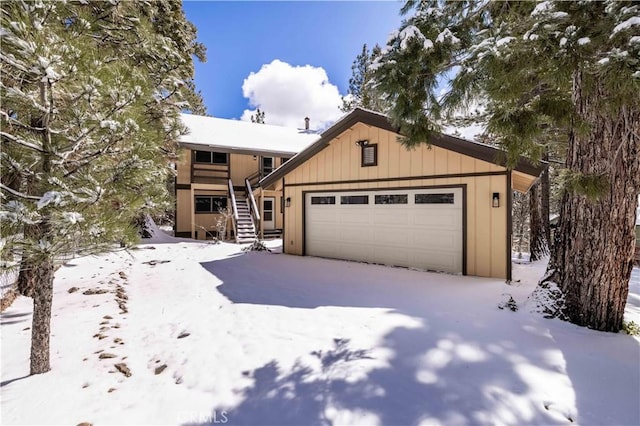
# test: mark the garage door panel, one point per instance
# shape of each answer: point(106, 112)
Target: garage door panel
point(395, 218)
point(395, 256)
point(349, 216)
point(393, 238)
point(425, 236)
point(358, 233)
point(445, 240)
point(450, 219)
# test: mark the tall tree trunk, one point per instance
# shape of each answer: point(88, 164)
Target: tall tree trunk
point(545, 188)
point(41, 325)
point(538, 246)
point(592, 259)
point(44, 271)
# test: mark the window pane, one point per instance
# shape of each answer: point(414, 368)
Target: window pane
point(323, 200)
point(219, 157)
point(268, 216)
point(392, 199)
point(203, 157)
point(268, 205)
point(219, 203)
point(369, 154)
point(445, 198)
point(267, 165)
point(354, 199)
point(203, 204)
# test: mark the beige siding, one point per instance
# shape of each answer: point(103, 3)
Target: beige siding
point(241, 167)
point(486, 227)
point(184, 167)
point(183, 213)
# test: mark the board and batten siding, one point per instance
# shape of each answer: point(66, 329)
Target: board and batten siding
point(338, 167)
point(241, 166)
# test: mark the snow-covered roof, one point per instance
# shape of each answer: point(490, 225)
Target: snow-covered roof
point(242, 136)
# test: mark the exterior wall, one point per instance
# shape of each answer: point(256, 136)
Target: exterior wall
point(340, 161)
point(240, 166)
point(243, 166)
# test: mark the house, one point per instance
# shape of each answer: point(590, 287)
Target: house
point(358, 194)
point(221, 163)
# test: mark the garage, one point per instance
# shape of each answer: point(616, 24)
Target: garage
point(412, 227)
point(358, 193)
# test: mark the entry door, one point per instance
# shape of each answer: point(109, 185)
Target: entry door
point(268, 213)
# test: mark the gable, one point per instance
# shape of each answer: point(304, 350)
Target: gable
point(341, 160)
point(446, 155)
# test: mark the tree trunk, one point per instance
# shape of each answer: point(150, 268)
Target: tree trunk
point(538, 246)
point(41, 325)
point(27, 276)
point(42, 267)
point(545, 188)
point(592, 259)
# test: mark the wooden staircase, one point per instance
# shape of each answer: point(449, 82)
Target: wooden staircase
point(245, 229)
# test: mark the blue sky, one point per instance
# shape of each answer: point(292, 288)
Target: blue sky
point(306, 38)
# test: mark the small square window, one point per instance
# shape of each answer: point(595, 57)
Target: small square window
point(370, 155)
point(219, 158)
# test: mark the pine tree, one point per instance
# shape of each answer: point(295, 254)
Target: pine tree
point(571, 66)
point(91, 94)
point(361, 85)
point(258, 118)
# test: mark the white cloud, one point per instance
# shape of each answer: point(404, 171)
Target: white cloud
point(287, 94)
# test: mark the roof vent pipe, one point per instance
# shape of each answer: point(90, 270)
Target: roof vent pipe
point(306, 123)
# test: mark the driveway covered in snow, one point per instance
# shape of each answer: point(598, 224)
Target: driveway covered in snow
point(213, 335)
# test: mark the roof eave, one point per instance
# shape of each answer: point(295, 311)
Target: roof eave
point(232, 150)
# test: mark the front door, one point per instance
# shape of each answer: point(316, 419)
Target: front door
point(268, 213)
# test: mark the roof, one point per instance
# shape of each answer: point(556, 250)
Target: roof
point(359, 115)
point(243, 137)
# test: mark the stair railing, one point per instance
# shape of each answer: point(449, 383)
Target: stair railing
point(234, 208)
point(253, 206)
point(255, 178)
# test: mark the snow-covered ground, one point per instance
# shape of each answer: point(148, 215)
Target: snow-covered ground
point(210, 334)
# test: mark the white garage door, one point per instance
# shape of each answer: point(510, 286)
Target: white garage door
point(419, 228)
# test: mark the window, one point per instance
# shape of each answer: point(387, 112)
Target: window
point(210, 157)
point(323, 200)
point(444, 198)
point(354, 199)
point(210, 203)
point(284, 160)
point(392, 199)
point(370, 155)
point(268, 164)
point(267, 209)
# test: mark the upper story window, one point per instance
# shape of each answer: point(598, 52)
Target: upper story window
point(370, 155)
point(208, 157)
point(268, 164)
